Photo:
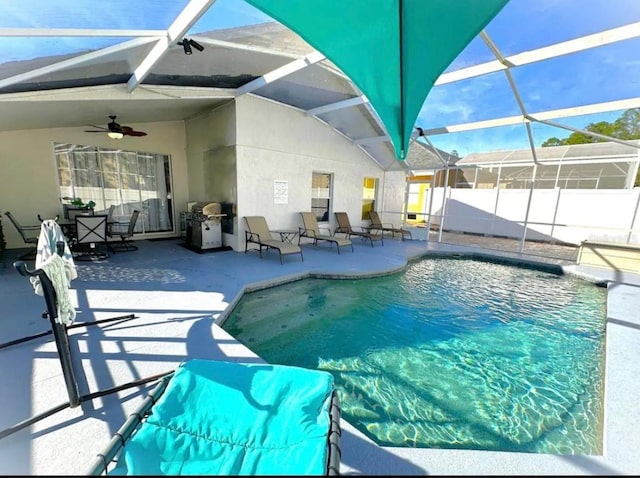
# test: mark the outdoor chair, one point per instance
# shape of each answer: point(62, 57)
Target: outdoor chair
point(91, 232)
point(125, 231)
point(29, 235)
point(110, 219)
point(311, 230)
point(378, 225)
point(211, 417)
point(344, 227)
point(258, 233)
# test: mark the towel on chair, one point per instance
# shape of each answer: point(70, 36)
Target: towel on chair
point(60, 270)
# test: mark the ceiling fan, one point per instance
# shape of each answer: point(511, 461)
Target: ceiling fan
point(115, 130)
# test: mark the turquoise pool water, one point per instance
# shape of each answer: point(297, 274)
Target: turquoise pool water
point(451, 353)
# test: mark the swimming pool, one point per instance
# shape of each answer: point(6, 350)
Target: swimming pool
point(451, 353)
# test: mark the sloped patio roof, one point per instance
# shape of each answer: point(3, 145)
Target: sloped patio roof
point(63, 66)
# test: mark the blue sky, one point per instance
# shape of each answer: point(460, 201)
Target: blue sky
point(602, 74)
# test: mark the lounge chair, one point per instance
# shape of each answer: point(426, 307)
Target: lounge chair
point(311, 230)
point(377, 224)
point(344, 227)
point(258, 232)
point(213, 417)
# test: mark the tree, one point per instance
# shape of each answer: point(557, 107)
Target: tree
point(553, 141)
point(626, 127)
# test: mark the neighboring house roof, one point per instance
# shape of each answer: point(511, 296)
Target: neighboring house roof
point(423, 157)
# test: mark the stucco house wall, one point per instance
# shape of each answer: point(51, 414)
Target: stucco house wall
point(233, 153)
point(281, 143)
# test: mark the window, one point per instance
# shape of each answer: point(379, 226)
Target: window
point(127, 179)
point(368, 197)
point(321, 196)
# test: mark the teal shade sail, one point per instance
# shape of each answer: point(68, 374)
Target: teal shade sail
point(392, 50)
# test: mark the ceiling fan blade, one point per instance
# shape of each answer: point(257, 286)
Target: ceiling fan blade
point(129, 131)
point(113, 127)
point(134, 133)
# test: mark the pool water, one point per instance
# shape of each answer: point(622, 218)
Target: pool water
point(451, 353)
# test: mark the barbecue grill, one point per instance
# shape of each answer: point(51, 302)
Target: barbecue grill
point(203, 225)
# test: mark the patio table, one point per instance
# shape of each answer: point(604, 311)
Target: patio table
point(287, 235)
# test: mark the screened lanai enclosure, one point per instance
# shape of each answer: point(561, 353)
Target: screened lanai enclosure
point(567, 195)
point(605, 165)
point(448, 103)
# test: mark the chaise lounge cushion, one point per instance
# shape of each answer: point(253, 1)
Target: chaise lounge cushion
point(224, 418)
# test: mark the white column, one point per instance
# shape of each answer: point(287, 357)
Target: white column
point(444, 204)
point(430, 205)
point(635, 214)
point(526, 215)
point(555, 214)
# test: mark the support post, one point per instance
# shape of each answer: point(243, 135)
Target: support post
point(526, 215)
point(444, 204)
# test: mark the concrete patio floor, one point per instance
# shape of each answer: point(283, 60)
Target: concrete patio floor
point(178, 298)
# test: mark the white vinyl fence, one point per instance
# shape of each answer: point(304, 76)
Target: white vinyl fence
point(566, 215)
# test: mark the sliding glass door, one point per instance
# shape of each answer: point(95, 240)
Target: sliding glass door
point(126, 179)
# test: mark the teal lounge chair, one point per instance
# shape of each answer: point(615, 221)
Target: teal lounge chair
point(213, 417)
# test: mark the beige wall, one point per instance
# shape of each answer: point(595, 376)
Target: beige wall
point(28, 177)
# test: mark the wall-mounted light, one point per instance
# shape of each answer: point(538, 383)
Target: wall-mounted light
point(187, 44)
point(196, 45)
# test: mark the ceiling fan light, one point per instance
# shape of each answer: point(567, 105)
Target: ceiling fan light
point(115, 134)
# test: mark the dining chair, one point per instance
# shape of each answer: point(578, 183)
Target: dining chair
point(90, 233)
point(125, 231)
point(29, 235)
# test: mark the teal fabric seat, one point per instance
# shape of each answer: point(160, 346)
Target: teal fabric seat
point(224, 418)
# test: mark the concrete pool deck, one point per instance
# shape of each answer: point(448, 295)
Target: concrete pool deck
point(178, 297)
